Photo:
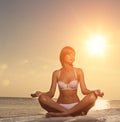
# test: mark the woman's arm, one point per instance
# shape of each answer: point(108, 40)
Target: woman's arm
point(83, 87)
point(51, 92)
point(52, 89)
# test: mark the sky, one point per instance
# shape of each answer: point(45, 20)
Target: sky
point(33, 32)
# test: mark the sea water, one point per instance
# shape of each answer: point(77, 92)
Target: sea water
point(27, 107)
point(11, 107)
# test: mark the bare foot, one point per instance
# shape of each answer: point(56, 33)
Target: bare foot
point(63, 114)
point(53, 114)
point(48, 115)
point(83, 113)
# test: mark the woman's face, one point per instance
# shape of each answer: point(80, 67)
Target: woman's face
point(70, 57)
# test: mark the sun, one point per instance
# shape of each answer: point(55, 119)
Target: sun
point(96, 45)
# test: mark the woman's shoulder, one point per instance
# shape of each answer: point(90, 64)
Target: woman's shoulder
point(56, 72)
point(78, 70)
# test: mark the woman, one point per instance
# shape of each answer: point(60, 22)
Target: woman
point(68, 78)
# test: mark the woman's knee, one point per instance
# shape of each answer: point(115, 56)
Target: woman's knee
point(92, 98)
point(42, 98)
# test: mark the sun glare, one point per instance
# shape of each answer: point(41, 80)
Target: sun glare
point(96, 45)
point(101, 104)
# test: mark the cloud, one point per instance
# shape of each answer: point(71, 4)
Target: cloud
point(23, 62)
point(5, 82)
point(3, 68)
point(26, 61)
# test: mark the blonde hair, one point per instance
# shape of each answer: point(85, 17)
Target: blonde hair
point(64, 52)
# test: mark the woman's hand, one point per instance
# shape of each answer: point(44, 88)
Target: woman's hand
point(98, 93)
point(36, 94)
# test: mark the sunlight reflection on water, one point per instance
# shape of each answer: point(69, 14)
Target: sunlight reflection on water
point(101, 104)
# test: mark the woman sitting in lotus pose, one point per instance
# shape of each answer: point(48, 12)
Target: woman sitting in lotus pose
point(68, 79)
